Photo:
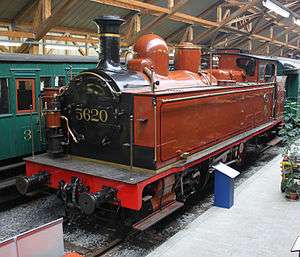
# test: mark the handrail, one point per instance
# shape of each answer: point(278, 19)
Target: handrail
point(100, 77)
point(210, 95)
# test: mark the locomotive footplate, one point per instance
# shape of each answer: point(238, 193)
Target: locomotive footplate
point(96, 168)
point(75, 177)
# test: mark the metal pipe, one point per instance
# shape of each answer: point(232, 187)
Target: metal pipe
point(150, 74)
point(209, 95)
point(152, 80)
point(69, 129)
point(231, 162)
point(210, 67)
point(71, 75)
point(155, 129)
point(275, 92)
point(131, 141)
point(32, 135)
point(40, 119)
point(12, 166)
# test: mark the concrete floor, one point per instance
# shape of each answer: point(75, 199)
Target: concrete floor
point(261, 223)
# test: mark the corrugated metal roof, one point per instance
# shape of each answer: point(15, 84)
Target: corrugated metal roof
point(9, 9)
point(82, 15)
point(289, 64)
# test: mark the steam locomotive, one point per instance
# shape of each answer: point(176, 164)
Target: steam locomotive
point(140, 139)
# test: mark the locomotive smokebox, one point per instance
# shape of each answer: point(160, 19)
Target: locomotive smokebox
point(109, 30)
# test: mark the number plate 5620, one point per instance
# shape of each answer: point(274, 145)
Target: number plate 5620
point(93, 115)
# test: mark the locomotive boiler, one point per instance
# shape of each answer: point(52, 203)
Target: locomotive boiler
point(141, 138)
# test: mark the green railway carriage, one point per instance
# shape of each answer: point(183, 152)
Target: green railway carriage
point(291, 68)
point(22, 78)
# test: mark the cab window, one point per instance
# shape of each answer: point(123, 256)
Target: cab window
point(247, 64)
point(25, 95)
point(269, 72)
point(4, 96)
point(261, 72)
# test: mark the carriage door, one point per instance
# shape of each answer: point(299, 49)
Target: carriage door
point(26, 126)
point(6, 120)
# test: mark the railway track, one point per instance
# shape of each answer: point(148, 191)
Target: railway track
point(97, 251)
point(8, 190)
point(10, 197)
point(8, 174)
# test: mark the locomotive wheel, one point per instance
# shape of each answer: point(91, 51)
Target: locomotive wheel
point(242, 154)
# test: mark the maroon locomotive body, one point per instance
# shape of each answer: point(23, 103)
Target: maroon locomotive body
point(143, 138)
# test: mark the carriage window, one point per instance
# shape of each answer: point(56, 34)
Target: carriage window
point(60, 81)
point(45, 82)
point(25, 95)
point(261, 72)
point(4, 97)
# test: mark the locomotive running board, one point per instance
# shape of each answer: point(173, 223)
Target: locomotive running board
point(225, 144)
point(157, 216)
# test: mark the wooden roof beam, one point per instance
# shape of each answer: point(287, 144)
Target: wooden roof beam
point(184, 27)
point(220, 40)
point(222, 24)
point(156, 10)
point(261, 46)
point(79, 50)
point(20, 34)
point(277, 20)
point(58, 13)
point(3, 49)
point(43, 12)
point(157, 21)
point(276, 50)
point(255, 30)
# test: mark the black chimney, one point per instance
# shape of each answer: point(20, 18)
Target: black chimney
point(109, 30)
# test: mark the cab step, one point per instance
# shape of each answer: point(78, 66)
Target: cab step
point(157, 215)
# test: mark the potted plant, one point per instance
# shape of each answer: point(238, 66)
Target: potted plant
point(291, 155)
point(291, 189)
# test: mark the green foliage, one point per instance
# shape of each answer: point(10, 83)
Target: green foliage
point(291, 186)
point(290, 132)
